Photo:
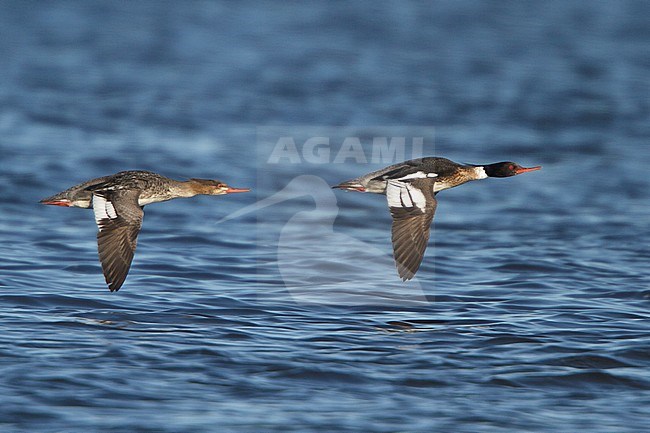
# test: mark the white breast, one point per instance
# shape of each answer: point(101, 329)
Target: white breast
point(146, 201)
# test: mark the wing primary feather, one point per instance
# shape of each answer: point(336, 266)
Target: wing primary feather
point(119, 219)
point(411, 224)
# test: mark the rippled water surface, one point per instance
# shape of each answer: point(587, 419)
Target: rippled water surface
point(280, 310)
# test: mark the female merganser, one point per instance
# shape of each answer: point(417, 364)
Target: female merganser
point(410, 188)
point(118, 202)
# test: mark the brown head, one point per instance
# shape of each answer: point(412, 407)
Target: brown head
point(507, 169)
point(212, 187)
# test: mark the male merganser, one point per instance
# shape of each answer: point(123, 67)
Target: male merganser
point(410, 188)
point(118, 202)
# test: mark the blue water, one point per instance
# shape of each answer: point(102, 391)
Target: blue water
point(530, 312)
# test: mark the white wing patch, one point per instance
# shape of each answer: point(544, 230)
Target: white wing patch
point(402, 194)
point(103, 209)
point(418, 175)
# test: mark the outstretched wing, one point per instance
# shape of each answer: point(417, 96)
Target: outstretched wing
point(119, 218)
point(412, 205)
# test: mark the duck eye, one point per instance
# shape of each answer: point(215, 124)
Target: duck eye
point(511, 167)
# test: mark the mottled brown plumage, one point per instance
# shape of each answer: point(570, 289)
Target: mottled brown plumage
point(118, 201)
